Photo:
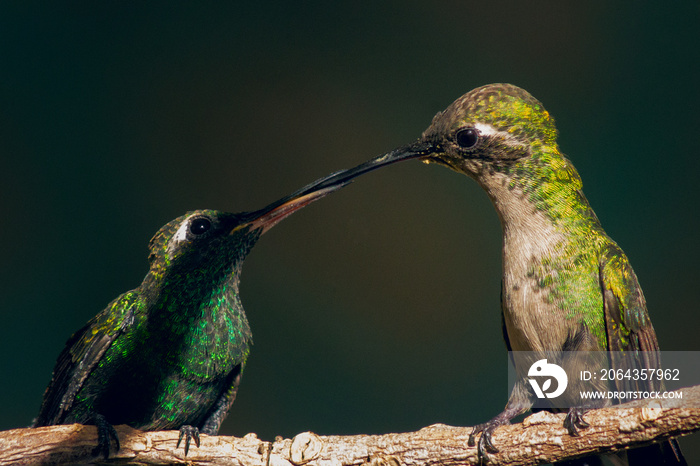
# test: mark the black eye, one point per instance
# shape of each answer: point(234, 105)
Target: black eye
point(200, 225)
point(467, 138)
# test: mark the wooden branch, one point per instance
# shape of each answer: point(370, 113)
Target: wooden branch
point(540, 438)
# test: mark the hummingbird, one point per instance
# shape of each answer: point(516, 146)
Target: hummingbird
point(566, 286)
point(170, 353)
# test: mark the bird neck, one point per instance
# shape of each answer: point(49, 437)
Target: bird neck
point(193, 295)
point(542, 192)
point(548, 224)
point(200, 314)
point(551, 242)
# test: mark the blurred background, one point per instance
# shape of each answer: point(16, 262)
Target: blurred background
point(377, 309)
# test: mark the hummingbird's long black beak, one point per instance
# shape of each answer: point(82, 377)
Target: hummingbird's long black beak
point(269, 216)
point(418, 149)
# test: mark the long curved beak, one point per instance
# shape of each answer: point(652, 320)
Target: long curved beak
point(269, 216)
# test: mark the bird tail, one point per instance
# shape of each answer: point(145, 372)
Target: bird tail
point(658, 454)
point(664, 453)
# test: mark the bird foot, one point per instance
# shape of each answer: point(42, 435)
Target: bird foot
point(189, 433)
point(105, 434)
point(574, 421)
point(485, 444)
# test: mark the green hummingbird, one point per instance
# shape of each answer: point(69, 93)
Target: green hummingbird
point(566, 284)
point(170, 353)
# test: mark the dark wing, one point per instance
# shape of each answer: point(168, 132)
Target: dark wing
point(219, 411)
point(504, 329)
point(82, 352)
point(627, 321)
point(629, 330)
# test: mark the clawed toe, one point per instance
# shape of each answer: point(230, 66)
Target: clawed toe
point(189, 433)
point(485, 444)
point(574, 421)
point(105, 434)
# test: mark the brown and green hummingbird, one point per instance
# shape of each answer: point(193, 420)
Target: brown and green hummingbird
point(566, 284)
point(170, 353)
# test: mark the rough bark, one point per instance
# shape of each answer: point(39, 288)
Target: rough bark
point(540, 438)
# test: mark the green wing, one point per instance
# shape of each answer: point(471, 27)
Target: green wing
point(629, 329)
point(627, 322)
point(82, 352)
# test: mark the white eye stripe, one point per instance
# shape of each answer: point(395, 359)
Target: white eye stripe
point(486, 129)
point(179, 236)
point(183, 230)
point(181, 233)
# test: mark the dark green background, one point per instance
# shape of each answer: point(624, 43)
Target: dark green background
point(376, 309)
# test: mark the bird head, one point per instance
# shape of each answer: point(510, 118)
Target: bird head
point(493, 128)
point(501, 136)
point(205, 242)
